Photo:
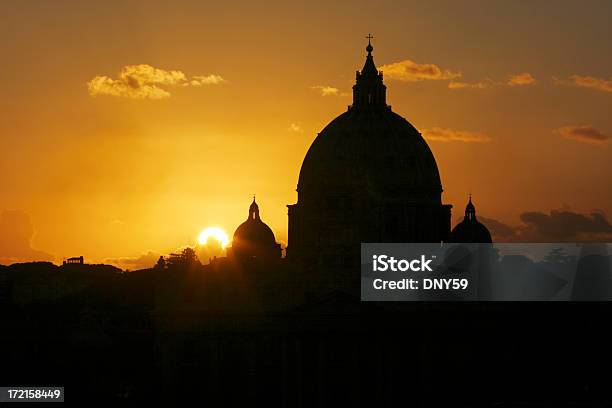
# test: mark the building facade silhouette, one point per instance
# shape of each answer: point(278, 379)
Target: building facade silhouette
point(369, 176)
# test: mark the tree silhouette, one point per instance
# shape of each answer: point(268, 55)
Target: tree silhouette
point(161, 263)
point(186, 258)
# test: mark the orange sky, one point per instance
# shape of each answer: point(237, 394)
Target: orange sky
point(119, 169)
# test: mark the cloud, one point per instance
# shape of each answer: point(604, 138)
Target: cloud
point(499, 231)
point(463, 85)
point(565, 225)
point(295, 127)
point(143, 261)
point(585, 134)
point(599, 84)
point(524, 78)
point(15, 242)
point(212, 79)
point(451, 135)
point(562, 225)
point(146, 82)
point(410, 71)
point(515, 80)
point(326, 90)
point(102, 85)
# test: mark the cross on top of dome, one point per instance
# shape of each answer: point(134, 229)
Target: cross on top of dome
point(369, 48)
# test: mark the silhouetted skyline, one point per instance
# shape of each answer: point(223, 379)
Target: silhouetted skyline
point(135, 134)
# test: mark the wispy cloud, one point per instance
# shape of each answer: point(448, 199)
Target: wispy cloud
point(466, 85)
point(410, 71)
point(600, 84)
point(562, 225)
point(524, 78)
point(296, 127)
point(585, 134)
point(325, 90)
point(142, 261)
point(452, 135)
point(565, 225)
point(212, 79)
point(146, 82)
point(18, 230)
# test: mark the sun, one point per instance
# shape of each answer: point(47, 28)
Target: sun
point(213, 232)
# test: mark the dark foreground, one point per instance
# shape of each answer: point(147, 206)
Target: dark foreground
point(174, 335)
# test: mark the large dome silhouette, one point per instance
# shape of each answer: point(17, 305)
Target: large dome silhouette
point(369, 176)
point(373, 151)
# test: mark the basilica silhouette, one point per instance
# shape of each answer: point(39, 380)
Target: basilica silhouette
point(369, 176)
point(255, 328)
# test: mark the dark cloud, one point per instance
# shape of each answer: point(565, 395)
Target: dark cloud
point(499, 231)
point(557, 226)
point(586, 134)
point(15, 243)
point(565, 225)
point(586, 81)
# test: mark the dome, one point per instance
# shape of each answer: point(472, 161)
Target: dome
point(369, 176)
point(371, 148)
point(377, 148)
point(474, 232)
point(254, 230)
point(470, 230)
point(253, 238)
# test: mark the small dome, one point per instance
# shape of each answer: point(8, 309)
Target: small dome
point(470, 230)
point(473, 232)
point(253, 238)
point(254, 231)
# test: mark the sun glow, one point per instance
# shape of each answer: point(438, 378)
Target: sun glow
point(215, 233)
